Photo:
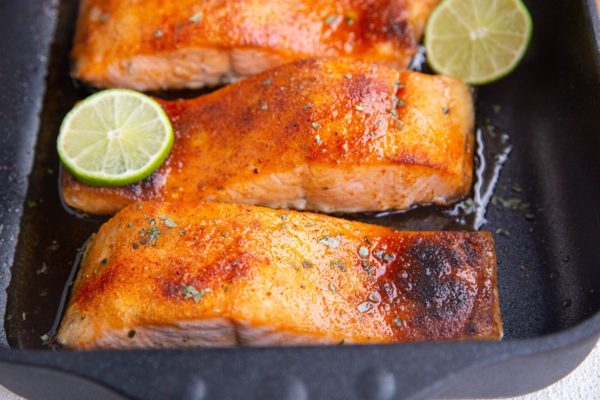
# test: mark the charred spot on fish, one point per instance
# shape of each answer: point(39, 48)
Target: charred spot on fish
point(469, 248)
point(472, 329)
point(432, 276)
point(437, 256)
point(401, 31)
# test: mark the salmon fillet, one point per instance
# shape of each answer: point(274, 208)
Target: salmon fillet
point(158, 44)
point(174, 275)
point(326, 135)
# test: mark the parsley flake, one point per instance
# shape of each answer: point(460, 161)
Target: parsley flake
point(389, 257)
point(364, 307)
point(363, 252)
point(329, 241)
point(149, 236)
point(190, 291)
point(170, 223)
point(267, 82)
point(195, 18)
point(331, 19)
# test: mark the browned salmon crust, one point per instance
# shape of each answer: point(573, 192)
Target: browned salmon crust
point(160, 44)
point(174, 275)
point(326, 135)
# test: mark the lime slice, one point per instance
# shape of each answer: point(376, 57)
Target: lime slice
point(479, 41)
point(115, 137)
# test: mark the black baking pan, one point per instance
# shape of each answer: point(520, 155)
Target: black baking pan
point(546, 219)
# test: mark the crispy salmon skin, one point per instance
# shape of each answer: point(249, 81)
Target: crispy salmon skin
point(159, 44)
point(173, 275)
point(326, 135)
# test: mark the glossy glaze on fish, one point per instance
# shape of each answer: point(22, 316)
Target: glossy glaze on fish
point(173, 275)
point(327, 135)
point(159, 44)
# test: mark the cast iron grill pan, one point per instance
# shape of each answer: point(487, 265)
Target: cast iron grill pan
point(548, 252)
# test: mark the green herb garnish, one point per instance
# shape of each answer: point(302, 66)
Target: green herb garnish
point(195, 18)
point(364, 307)
point(190, 291)
point(374, 297)
point(329, 241)
point(150, 235)
point(331, 19)
point(363, 252)
point(170, 223)
point(267, 82)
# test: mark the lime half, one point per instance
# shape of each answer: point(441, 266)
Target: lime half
point(479, 41)
point(115, 137)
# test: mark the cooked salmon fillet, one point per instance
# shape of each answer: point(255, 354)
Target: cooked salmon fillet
point(326, 135)
point(177, 275)
point(159, 44)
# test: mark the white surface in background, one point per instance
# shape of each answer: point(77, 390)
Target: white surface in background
point(581, 384)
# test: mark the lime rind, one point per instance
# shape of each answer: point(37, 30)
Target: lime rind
point(456, 17)
point(141, 149)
